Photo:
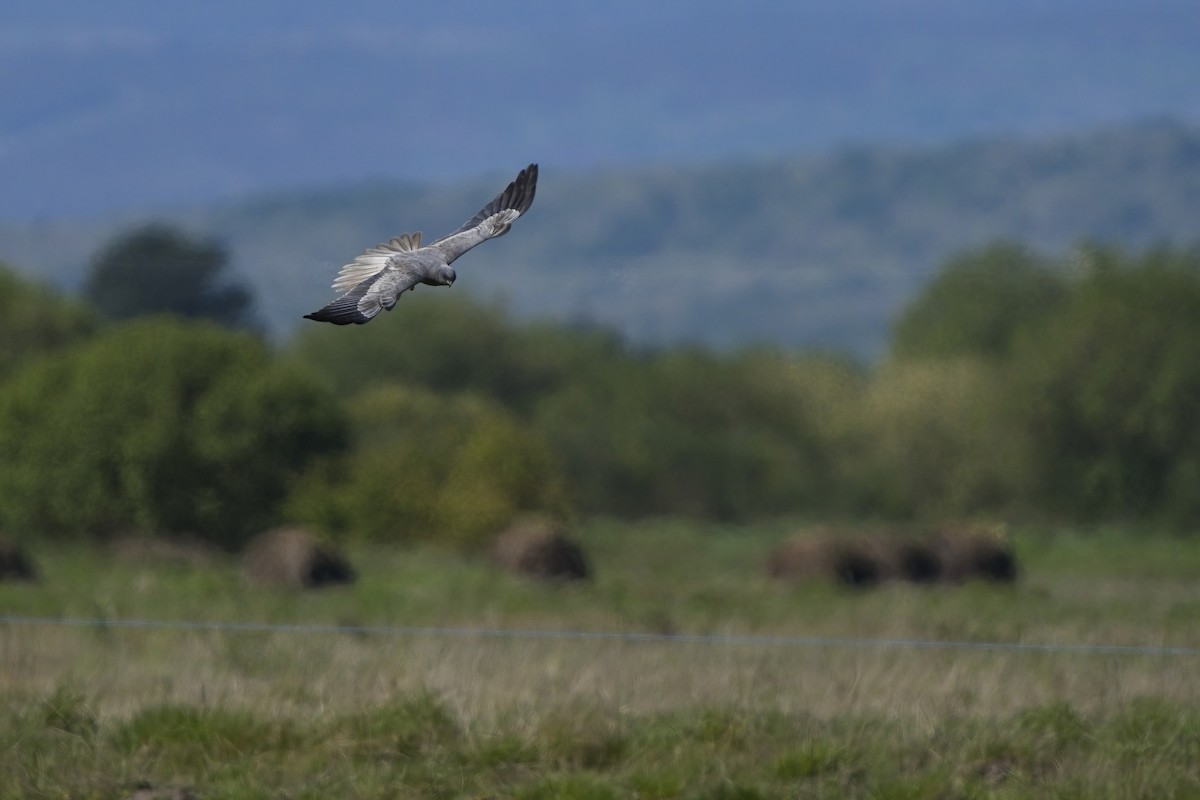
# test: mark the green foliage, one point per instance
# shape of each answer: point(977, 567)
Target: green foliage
point(1110, 389)
point(159, 269)
point(452, 468)
point(1086, 407)
point(813, 759)
point(1146, 749)
point(416, 726)
point(690, 432)
point(34, 321)
point(158, 426)
point(195, 736)
point(977, 303)
point(687, 431)
point(448, 344)
point(933, 438)
point(1016, 384)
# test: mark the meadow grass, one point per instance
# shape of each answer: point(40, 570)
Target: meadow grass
point(99, 711)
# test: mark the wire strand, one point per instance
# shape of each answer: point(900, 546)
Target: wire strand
point(614, 636)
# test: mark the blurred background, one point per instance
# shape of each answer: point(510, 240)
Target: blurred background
point(786, 173)
point(891, 259)
point(828, 427)
point(137, 106)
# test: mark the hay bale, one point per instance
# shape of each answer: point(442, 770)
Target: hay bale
point(953, 553)
point(905, 557)
point(15, 562)
point(295, 557)
point(829, 555)
point(917, 561)
point(542, 549)
point(975, 551)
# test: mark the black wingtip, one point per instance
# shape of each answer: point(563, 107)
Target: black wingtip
point(345, 310)
point(316, 316)
point(338, 315)
point(520, 192)
point(313, 316)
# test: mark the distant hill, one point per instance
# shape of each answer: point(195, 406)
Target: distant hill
point(811, 251)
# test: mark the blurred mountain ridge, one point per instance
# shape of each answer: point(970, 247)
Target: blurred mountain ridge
point(809, 250)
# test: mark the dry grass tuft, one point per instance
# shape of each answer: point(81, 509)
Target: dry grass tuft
point(540, 548)
point(296, 558)
point(15, 562)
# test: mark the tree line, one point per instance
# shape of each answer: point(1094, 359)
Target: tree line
point(1016, 385)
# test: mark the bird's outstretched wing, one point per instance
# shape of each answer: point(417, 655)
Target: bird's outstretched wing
point(375, 260)
point(495, 218)
point(376, 293)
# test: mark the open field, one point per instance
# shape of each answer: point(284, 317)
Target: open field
point(98, 711)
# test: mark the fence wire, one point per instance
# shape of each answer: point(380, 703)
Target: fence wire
point(726, 640)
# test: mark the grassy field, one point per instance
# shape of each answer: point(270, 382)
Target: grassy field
point(102, 711)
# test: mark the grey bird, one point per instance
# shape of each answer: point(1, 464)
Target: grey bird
point(375, 280)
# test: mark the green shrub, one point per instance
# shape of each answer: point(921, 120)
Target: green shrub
point(1110, 390)
point(33, 321)
point(724, 436)
point(158, 426)
point(1082, 400)
point(450, 345)
point(451, 468)
point(933, 439)
point(978, 303)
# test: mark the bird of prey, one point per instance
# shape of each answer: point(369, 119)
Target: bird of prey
point(376, 279)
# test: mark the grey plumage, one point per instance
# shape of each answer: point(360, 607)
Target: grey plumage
point(375, 280)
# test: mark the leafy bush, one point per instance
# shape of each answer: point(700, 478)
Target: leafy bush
point(681, 431)
point(934, 438)
point(451, 468)
point(1110, 390)
point(1016, 383)
point(452, 345)
point(158, 425)
point(1082, 400)
point(33, 321)
point(977, 304)
point(691, 432)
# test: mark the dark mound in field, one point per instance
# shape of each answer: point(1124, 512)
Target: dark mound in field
point(953, 553)
point(822, 553)
point(15, 562)
point(975, 551)
point(295, 557)
point(181, 551)
point(906, 558)
point(541, 549)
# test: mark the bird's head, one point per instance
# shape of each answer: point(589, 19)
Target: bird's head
point(446, 276)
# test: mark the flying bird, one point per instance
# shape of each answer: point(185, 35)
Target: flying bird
point(375, 280)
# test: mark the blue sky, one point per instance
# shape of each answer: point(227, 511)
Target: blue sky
point(138, 105)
